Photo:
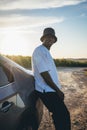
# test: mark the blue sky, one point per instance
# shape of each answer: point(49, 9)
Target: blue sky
point(22, 23)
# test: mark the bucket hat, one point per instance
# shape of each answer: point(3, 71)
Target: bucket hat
point(48, 31)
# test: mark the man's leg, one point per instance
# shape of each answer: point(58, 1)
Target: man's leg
point(30, 114)
point(34, 120)
point(61, 116)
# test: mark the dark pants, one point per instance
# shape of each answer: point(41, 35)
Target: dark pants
point(30, 115)
point(60, 113)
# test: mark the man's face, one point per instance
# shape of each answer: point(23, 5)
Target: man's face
point(48, 40)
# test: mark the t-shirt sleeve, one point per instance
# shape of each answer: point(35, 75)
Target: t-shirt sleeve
point(41, 62)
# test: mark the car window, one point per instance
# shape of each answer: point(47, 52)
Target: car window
point(6, 76)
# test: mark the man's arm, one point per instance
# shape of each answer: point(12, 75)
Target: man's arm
point(47, 78)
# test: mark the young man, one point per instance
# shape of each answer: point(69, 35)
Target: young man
point(47, 86)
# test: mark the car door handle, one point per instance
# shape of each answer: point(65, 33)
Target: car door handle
point(6, 107)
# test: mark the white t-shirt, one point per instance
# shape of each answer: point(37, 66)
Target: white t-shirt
point(41, 62)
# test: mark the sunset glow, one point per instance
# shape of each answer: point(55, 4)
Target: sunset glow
point(13, 43)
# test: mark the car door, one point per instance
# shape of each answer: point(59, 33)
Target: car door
point(9, 101)
point(12, 106)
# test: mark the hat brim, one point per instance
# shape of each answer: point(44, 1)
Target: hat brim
point(42, 38)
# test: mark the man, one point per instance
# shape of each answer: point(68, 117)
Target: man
point(47, 86)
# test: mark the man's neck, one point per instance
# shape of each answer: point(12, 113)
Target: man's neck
point(48, 47)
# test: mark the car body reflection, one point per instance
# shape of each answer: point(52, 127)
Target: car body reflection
point(16, 84)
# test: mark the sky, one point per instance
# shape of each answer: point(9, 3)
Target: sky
point(22, 23)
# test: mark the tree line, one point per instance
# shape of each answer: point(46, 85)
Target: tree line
point(25, 61)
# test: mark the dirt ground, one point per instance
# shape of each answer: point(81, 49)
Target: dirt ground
point(74, 85)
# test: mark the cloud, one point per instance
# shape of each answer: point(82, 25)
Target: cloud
point(25, 22)
point(36, 4)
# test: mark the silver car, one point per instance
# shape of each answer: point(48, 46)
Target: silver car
point(16, 88)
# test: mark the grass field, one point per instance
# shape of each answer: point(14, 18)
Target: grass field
point(25, 61)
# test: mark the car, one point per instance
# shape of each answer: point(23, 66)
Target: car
point(16, 87)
